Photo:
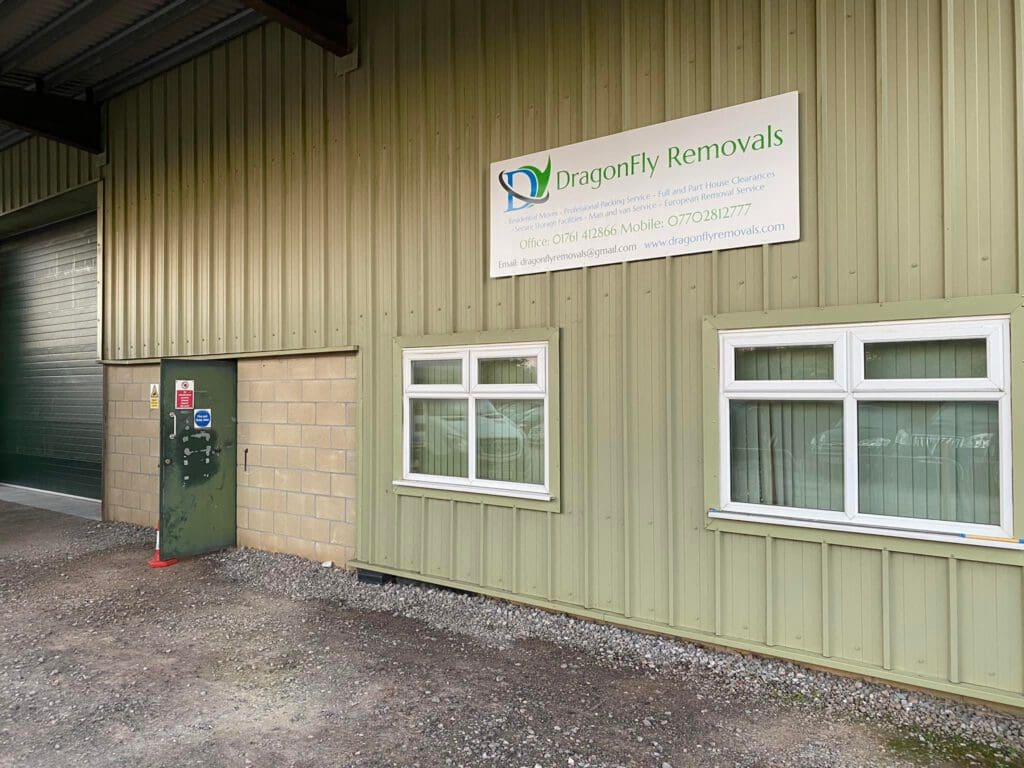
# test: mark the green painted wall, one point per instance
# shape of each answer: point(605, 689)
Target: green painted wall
point(255, 201)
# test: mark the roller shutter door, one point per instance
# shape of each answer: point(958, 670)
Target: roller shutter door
point(51, 395)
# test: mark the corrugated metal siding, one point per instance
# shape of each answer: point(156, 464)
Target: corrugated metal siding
point(255, 201)
point(910, 146)
point(37, 168)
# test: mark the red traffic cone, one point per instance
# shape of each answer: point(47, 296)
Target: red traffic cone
point(156, 562)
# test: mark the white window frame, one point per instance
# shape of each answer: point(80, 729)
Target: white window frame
point(851, 388)
point(471, 390)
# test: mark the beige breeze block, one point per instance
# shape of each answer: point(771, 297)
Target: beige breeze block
point(131, 432)
point(296, 417)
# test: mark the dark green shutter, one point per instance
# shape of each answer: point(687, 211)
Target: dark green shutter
point(51, 395)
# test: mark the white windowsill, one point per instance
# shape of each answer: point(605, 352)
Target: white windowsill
point(948, 538)
point(513, 494)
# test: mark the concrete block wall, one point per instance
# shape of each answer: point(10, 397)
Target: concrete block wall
point(131, 460)
point(297, 418)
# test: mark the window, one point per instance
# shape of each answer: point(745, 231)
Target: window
point(476, 419)
point(896, 426)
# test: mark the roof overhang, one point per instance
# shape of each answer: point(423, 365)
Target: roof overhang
point(60, 59)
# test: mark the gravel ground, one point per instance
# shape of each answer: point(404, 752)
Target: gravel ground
point(247, 658)
point(500, 624)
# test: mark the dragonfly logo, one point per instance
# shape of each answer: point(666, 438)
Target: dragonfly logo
point(525, 186)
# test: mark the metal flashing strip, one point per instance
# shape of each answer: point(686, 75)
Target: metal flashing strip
point(236, 355)
point(11, 135)
point(53, 209)
point(42, 200)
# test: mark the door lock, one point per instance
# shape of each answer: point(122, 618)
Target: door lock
point(167, 461)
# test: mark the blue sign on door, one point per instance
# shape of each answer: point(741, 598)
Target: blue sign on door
point(203, 418)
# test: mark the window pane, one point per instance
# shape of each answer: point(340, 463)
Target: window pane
point(510, 440)
point(508, 370)
point(784, 363)
point(931, 461)
point(438, 441)
point(437, 372)
point(943, 359)
point(787, 453)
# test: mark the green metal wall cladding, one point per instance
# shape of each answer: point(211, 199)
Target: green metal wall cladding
point(255, 200)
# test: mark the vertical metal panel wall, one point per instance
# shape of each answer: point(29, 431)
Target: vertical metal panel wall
point(37, 168)
point(256, 201)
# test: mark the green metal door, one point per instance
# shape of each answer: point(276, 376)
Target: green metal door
point(198, 456)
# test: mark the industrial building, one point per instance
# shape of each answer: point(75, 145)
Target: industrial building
point(298, 248)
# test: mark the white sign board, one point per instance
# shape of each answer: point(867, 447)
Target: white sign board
point(184, 394)
point(723, 179)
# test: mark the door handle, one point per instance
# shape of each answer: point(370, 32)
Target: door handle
point(174, 425)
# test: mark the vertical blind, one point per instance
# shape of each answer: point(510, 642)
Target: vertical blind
point(439, 437)
point(510, 440)
point(437, 372)
point(508, 370)
point(510, 432)
point(942, 359)
point(787, 453)
point(784, 363)
point(931, 459)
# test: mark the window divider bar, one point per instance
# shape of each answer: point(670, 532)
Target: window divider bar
point(928, 395)
point(851, 476)
point(768, 394)
point(471, 432)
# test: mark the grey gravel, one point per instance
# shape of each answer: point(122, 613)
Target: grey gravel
point(499, 624)
point(245, 658)
point(76, 537)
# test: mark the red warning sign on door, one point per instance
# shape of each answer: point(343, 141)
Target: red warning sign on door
point(184, 394)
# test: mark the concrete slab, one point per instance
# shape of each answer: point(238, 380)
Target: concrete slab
point(53, 502)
